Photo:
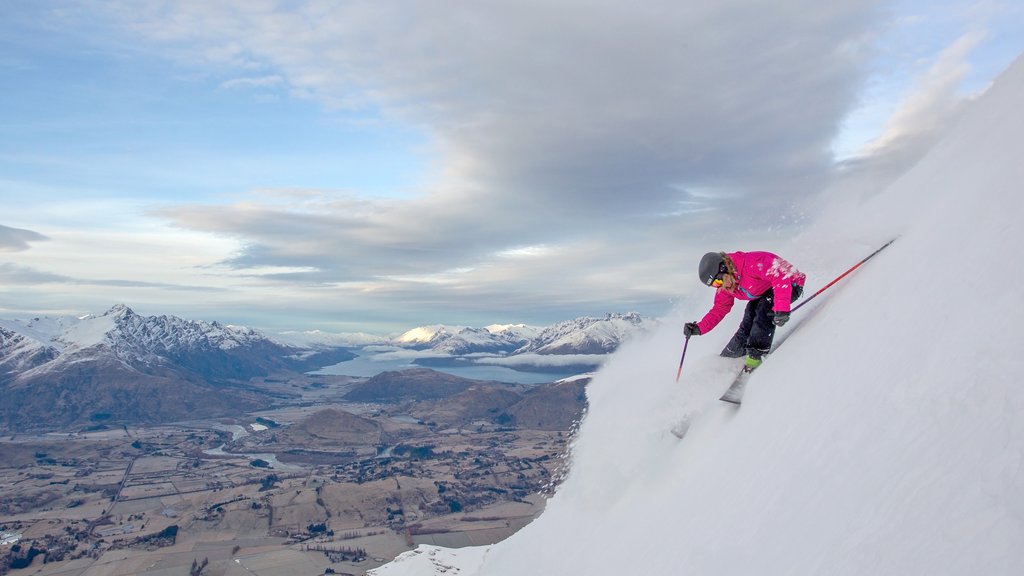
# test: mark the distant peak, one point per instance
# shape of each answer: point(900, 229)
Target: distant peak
point(422, 333)
point(119, 310)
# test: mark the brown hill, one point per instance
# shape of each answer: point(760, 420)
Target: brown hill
point(476, 403)
point(452, 401)
point(331, 428)
point(414, 384)
point(554, 406)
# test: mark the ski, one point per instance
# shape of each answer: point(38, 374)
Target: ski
point(734, 395)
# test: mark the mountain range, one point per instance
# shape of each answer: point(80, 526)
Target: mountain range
point(127, 367)
point(584, 335)
point(121, 366)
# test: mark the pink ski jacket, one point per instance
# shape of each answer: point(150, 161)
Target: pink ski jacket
point(757, 273)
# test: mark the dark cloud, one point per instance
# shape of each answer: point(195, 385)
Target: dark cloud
point(16, 239)
point(12, 274)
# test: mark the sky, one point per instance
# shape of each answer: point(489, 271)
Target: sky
point(367, 166)
point(884, 437)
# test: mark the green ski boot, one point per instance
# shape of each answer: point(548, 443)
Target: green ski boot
point(751, 364)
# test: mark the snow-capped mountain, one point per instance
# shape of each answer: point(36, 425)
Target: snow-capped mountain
point(515, 332)
point(580, 336)
point(19, 353)
point(460, 340)
point(583, 335)
point(65, 370)
point(149, 343)
point(588, 335)
point(885, 438)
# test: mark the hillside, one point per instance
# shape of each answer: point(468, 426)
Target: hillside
point(886, 438)
point(553, 407)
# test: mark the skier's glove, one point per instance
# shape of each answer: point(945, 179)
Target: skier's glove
point(691, 329)
point(780, 318)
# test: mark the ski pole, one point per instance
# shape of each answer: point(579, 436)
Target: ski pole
point(683, 357)
point(843, 275)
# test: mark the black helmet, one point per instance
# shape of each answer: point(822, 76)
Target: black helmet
point(711, 265)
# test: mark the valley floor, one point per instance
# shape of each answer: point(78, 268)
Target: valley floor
point(233, 497)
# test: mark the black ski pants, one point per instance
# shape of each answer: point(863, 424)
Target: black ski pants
point(757, 330)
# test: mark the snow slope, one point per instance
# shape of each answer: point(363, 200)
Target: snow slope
point(885, 438)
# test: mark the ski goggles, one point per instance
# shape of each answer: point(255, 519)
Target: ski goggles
point(717, 281)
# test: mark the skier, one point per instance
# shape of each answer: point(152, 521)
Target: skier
point(769, 283)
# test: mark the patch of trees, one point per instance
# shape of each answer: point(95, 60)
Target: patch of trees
point(166, 537)
point(268, 482)
point(340, 554)
point(415, 452)
point(319, 529)
point(20, 504)
point(20, 557)
point(395, 513)
point(198, 567)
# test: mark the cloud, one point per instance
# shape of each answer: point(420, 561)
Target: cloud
point(253, 82)
point(549, 361)
point(582, 155)
point(14, 274)
point(593, 109)
point(16, 239)
point(554, 124)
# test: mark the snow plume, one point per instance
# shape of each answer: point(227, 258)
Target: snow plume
point(931, 102)
point(886, 437)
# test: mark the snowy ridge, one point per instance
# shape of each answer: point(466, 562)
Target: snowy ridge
point(19, 352)
point(32, 348)
point(458, 340)
point(122, 329)
point(120, 366)
point(589, 335)
point(584, 335)
point(906, 459)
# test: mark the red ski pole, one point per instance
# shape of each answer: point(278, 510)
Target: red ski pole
point(843, 275)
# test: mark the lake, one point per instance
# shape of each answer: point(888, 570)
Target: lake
point(370, 363)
